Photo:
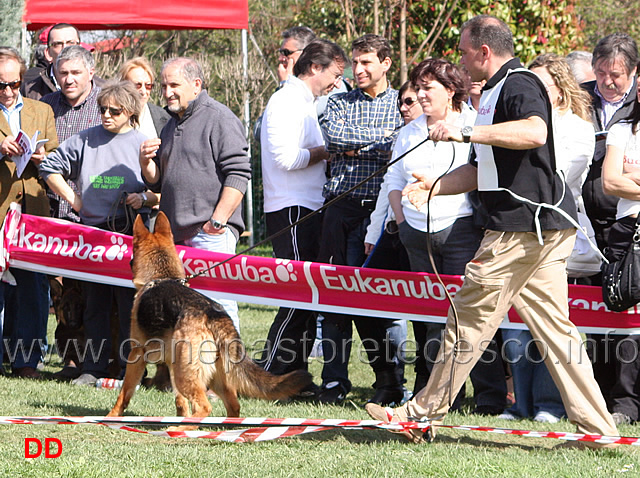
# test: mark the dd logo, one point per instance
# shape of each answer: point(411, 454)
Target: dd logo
point(48, 453)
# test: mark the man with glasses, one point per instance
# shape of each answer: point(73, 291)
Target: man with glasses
point(294, 40)
point(24, 307)
point(59, 36)
point(293, 173)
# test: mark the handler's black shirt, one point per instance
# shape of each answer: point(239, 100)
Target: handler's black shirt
point(529, 173)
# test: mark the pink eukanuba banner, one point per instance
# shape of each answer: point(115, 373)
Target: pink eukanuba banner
point(62, 248)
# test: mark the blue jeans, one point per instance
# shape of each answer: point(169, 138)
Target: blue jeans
point(25, 312)
point(533, 386)
point(224, 243)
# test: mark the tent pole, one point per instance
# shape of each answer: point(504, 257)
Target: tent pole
point(247, 131)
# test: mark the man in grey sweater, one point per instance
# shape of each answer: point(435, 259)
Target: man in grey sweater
point(199, 165)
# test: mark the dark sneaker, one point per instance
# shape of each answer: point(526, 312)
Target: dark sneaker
point(388, 396)
point(67, 373)
point(307, 393)
point(332, 393)
point(487, 410)
point(26, 372)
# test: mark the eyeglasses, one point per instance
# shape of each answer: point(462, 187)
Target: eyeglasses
point(407, 101)
point(146, 86)
point(112, 111)
point(14, 85)
point(285, 52)
point(57, 44)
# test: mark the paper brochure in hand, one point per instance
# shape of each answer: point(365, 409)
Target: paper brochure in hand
point(29, 146)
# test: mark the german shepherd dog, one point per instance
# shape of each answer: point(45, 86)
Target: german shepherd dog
point(192, 334)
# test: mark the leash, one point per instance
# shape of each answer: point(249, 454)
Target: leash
point(313, 213)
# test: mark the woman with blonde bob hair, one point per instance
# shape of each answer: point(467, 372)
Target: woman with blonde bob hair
point(139, 72)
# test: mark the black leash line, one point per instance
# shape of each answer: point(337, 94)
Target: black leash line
point(313, 213)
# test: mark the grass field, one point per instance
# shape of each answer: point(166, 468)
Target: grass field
point(95, 451)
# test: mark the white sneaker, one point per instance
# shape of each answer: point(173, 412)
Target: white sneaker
point(545, 417)
point(507, 416)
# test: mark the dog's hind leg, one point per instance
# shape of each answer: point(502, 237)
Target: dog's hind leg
point(135, 370)
point(188, 385)
point(226, 392)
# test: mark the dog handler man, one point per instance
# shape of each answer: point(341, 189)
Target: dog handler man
point(293, 172)
point(517, 264)
point(199, 164)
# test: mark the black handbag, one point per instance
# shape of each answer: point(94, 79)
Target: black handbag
point(621, 279)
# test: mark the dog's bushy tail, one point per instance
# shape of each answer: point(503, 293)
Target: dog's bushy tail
point(251, 380)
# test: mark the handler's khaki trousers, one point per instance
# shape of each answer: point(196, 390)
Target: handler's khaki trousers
point(513, 269)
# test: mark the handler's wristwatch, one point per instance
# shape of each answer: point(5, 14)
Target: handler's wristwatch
point(216, 224)
point(466, 131)
point(144, 198)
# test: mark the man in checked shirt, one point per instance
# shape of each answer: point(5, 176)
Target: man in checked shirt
point(360, 128)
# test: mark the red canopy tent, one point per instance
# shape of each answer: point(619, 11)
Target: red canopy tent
point(138, 14)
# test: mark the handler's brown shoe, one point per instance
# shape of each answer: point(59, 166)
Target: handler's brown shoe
point(396, 415)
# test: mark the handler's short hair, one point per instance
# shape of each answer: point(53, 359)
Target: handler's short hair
point(301, 35)
point(489, 30)
point(370, 42)
point(319, 52)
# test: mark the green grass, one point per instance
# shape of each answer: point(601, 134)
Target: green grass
point(95, 451)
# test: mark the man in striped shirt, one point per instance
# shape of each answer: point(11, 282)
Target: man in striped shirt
point(360, 128)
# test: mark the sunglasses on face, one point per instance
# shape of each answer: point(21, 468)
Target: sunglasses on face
point(112, 111)
point(146, 86)
point(407, 101)
point(14, 85)
point(285, 52)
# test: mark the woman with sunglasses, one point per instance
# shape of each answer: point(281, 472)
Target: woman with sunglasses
point(442, 94)
point(139, 72)
point(103, 162)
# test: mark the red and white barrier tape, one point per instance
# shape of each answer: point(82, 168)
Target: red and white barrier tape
point(271, 428)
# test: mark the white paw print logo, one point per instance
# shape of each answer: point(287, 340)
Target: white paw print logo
point(284, 271)
point(117, 250)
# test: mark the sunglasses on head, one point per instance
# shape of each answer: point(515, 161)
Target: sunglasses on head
point(147, 86)
point(112, 111)
point(14, 85)
point(285, 52)
point(407, 101)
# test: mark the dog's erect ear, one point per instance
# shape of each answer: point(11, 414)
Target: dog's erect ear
point(139, 229)
point(162, 226)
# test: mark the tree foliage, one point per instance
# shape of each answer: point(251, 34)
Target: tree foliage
point(432, 29)
point(603, 18)
point(11, 22)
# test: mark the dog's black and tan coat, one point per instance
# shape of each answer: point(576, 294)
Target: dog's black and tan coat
point(192, 334)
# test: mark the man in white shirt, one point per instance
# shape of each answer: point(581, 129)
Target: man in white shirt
point(293, 171)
